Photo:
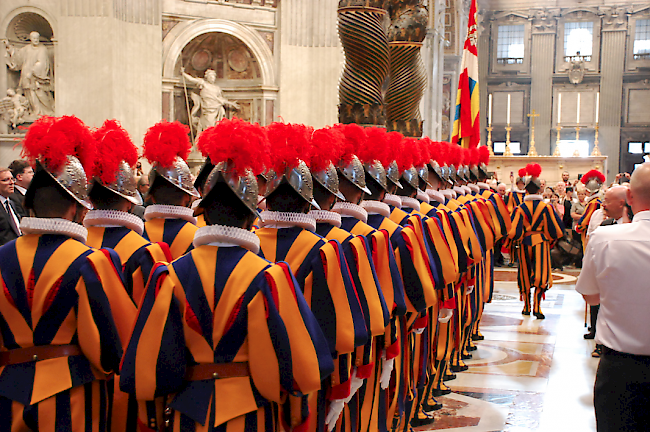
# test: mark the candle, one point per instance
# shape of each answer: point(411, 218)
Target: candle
point(508, 113)
point(578, 114)
point(490, 110)
point(597, 106)
point(559, 108)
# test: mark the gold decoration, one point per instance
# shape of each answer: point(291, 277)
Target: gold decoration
point(489, 140)
point(596, 150)
point(556, 153)
point(508, 152)
point(531, 150)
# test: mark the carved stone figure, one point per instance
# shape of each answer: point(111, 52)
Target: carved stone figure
point(210, 101)
point(13, 108)
point(33, 62)
point(576, 70)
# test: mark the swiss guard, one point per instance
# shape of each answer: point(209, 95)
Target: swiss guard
point(223, 335)
point(65, 312)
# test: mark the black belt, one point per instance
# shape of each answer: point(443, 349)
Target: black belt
point(610, 352)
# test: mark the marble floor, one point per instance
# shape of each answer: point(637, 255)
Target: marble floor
point(528, 374)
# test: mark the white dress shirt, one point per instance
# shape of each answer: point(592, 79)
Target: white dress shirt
point(597, 218)
point(615, 266)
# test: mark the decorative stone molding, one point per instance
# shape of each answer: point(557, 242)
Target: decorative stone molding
point(544, 20)
point(615, 18)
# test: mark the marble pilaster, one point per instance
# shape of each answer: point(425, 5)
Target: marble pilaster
point(541, 92)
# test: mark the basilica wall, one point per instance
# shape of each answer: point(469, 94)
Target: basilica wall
point(583, 67)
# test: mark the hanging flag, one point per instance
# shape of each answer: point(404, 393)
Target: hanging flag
point(467, 124)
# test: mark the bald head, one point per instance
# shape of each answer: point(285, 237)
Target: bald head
point(614, 202)
point(639, 193)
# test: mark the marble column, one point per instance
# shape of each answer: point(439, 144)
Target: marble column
point(433, 53)
point(611, 93)
point(541, 89)
point(483, 67)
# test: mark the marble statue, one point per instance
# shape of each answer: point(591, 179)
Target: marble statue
point(33, 62)
point(210, 101)
point(13, 108)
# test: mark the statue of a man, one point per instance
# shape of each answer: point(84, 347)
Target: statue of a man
point(212, 102)
point(33, 62)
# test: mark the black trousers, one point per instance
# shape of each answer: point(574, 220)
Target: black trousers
point(622, 392)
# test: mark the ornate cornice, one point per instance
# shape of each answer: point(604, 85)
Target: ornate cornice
point(544, 20)
point(615, 18)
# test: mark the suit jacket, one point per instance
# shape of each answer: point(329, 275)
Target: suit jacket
point(7, 233)
point(566, 218)
point(19, 202)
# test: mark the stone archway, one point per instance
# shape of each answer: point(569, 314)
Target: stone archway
point(241, 57)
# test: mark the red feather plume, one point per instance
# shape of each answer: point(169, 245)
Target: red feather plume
point(425, 151)
point(473, 156)
point(434, 151)
point(454, 155)
point(394, 148)
point(409, 155)
point(375, 147)
point(113, 146)
point(522, 172)
point(593, 174)
point(166, 140)
point(534, 169)
point(326, 147)
point(355, 138)
point(290, 143)
point(484, 155)
point(244, 144)
point(53, 139)
point(444, 153)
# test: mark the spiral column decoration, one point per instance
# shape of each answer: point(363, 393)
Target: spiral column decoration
point(363, 35)
point(407, 74)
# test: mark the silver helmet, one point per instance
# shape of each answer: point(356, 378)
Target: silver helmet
point(355, 173)
point(423, 173)
point(436, 168)
point(244, 187)
point(473, 170)
point(71, 177)
point(593, 185)
point(300, 180)
point(377, 172)
point(392, 173)
point(329, 179)
point(124, 184)
point(178, 174)
point(411, 177)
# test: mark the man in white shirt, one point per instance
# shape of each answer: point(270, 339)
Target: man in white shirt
point(615, 276)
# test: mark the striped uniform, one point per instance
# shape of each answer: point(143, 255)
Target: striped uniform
point(377, 315)
point(177, 232)
point(224, 306)
point(535, 225)
point(137, 258)
point(58, 291)
point(593, 204)
point(322, 273)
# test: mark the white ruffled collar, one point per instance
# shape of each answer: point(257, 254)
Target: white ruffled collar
point(423, 197)
point(459, 190)
point(39, 226)
point(271, 219)
point(533, 197)
point(467, 189)
point(449, 194)
point(347, 209)
point(328, 217)
point(411, 203)
point(393, 200)
point(474, 188)
point(376, 207)
point(226, 236)
point(114, 218)
point(483, 185)
point(159, 211)
point(595, 196)
point(519, 191)
point(436, 195)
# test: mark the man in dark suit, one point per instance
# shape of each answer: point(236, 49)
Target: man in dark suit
point(565, 200)
point(10, 213)
point(23, 174)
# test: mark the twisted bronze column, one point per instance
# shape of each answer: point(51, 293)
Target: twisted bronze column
point(365, 42)
point(409, 20)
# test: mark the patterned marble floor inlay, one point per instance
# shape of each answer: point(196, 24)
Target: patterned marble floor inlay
point(528, 374)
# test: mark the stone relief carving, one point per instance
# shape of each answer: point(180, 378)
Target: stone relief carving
point(576, 70)
point(615, 18)
point(544, 20)
point(35, 66)
point(13, 108)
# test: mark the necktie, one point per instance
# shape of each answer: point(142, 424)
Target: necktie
point(12, 221)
